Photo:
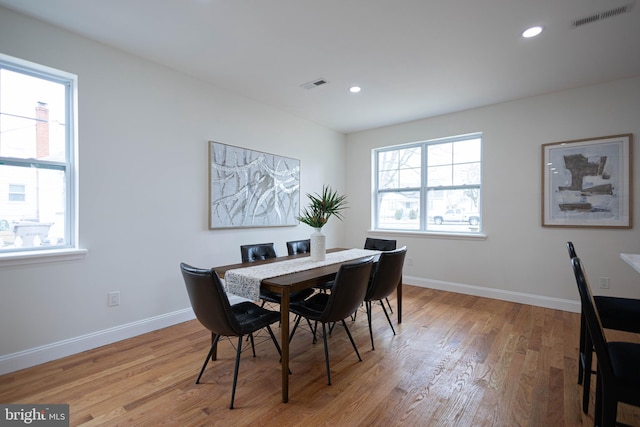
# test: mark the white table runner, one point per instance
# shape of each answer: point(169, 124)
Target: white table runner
point(245, 281)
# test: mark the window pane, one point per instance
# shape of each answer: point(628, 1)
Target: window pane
point(38, 219)
point(439, 154)
point(399, 168)
point(32, 117)
point(399, 210)
point(466, 174)
point(467, 151)
point(439, 176)
point(453, 210)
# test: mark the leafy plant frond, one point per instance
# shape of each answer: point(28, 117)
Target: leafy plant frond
point(322, 207)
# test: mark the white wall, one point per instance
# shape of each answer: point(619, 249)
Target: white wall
point(143, 132)
point(520, 260)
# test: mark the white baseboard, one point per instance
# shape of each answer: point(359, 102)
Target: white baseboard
point(35, 356)
point(500, 294)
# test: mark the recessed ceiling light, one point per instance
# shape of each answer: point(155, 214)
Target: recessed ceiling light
point(532, 32)
point(355, 89)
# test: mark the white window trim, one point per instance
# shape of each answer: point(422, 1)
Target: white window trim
point(41, 256)
point(429, 234)
point(72, 252)
point(421, 233)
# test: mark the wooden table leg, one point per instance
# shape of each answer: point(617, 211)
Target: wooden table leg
point(399, 295)
point(284, 342)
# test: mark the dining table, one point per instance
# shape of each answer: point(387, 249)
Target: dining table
point(285, 284)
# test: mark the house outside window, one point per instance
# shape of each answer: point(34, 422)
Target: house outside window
point(37, 167)
point(429, 186)
point(16, 193)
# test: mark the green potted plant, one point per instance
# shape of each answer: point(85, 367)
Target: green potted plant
point(321, 207)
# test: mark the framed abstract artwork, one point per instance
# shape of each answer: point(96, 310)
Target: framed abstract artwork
point(250, 188)
point(587, 183)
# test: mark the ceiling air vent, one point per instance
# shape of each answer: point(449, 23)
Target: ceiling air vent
point(314, 83)
point(602, 15)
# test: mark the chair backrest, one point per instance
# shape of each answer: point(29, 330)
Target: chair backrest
point(348, 290)
point(209, 300)
point(379, 244)
point(594, 323)
point(571, 250)
point(299, 246)
point(386, 275)
point(257, 252)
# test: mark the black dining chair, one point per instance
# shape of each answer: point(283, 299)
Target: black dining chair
point(349, 290)
point(261, 251)
point(295, 247)
point(618, 367)
point(387, 273)
point(211, 307)
point(379, 244)
point(622, 314)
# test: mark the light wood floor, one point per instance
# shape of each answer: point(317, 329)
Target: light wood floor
point(457, 361)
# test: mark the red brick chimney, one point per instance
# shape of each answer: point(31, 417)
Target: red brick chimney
point(42, 130)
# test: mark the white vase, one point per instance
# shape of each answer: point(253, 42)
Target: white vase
point(318, 245)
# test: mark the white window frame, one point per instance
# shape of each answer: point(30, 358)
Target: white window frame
point(423, 189)
point(70, 249)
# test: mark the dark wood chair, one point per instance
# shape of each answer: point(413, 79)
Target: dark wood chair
point(622, 314)
point(211, 307)
point(618, 370)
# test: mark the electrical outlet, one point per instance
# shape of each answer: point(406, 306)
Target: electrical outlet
point(113, 298)
point(604, 283)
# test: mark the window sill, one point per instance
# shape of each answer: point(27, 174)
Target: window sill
point(39, 257)
point(430, 234)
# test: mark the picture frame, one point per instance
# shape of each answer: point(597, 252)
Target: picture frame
point(249, 188)
point(587, 182)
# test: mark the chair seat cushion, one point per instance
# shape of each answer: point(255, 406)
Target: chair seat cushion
point(311, 308)
point(622, 314)
point(325, 286)
point(252, 317)
point(293, 296)
point(625, 357)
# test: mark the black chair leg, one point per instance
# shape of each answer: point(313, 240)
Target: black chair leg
point(389, 304)
point(253, 347)
point(295, 326)
point(586, 376)
point(368, 307)
point(275, 342)
point(388, 318)
point(235, 371)
point(583, 331)
point(351, 339)
point(211, 352)
point(326, 352)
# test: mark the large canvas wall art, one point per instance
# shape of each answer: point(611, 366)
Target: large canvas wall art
point(587, 183)
point(250, 188)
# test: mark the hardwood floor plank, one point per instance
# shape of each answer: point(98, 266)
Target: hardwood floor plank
point(457, 360)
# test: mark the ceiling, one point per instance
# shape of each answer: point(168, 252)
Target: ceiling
point(412, 58)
